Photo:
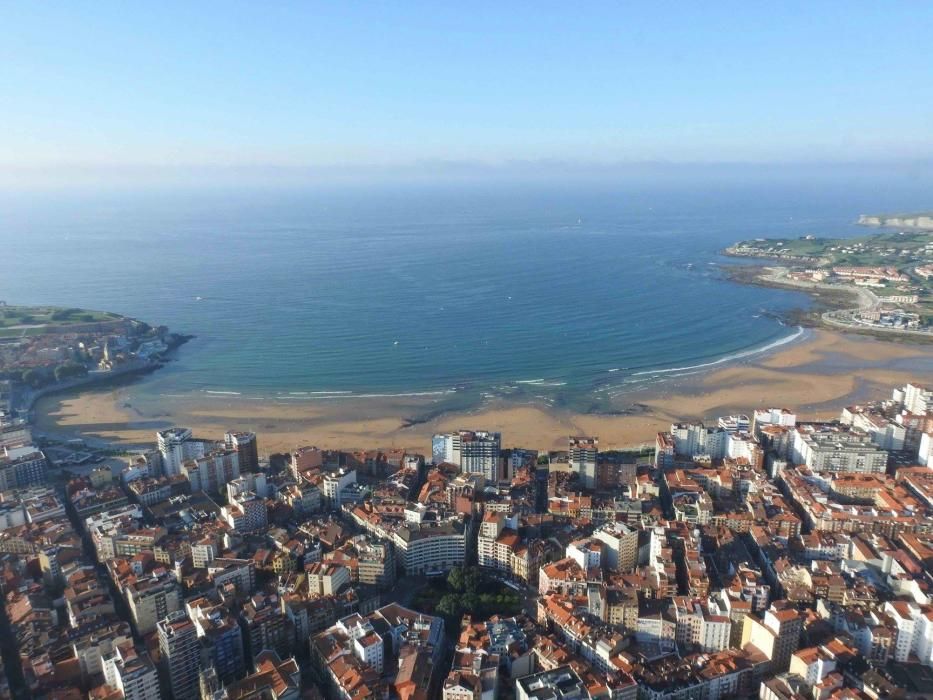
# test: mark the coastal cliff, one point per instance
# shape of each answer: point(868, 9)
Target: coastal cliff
point(923, 221)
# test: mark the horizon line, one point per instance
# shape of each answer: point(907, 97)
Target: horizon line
point(77, 175)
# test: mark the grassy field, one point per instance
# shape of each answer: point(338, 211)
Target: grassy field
point(903, 251)
point(20, 332)
point(12, 316)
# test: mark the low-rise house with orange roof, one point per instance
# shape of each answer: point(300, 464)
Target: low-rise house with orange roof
point(274, 679)
point(564, 576)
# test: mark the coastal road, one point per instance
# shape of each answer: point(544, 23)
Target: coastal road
point(867, 299)
point(844, 318)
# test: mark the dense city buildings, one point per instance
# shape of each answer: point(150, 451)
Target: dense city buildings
point(761, 555)
point(475, 452)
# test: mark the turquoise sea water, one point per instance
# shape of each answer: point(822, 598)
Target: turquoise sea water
point(569, 295)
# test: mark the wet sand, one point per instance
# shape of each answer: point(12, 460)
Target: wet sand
point(816, 377)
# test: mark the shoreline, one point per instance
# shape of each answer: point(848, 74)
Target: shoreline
point(123, 375)
point(824, 298)
point(827, 299)
point(816, 375)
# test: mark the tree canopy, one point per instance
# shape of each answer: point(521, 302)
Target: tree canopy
point(471, 590)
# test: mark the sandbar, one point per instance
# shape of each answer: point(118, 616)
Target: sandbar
point(816, 377)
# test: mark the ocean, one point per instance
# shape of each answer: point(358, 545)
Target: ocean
point(568, 295)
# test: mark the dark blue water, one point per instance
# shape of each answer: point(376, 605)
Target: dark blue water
point(533, 291)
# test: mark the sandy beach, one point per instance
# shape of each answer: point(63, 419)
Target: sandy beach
point(816, 377)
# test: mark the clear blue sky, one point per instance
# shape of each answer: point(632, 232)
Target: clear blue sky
point(333, 83)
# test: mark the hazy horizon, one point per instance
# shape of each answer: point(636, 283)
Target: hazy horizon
point(910, 174)
point(102, 92)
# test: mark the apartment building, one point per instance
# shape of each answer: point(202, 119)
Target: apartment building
point(244, 444)
point(150, 598)
point(21, 467)
point(131, 673)
point(430, 547)
point(213, 471)
point(582, 453)
point(246, 513)
point(830, 448)
point(620, 546)
point(176, 445)
point(181, 654)
point(475, 452)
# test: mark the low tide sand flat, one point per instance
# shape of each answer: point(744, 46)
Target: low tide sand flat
point(815, 377)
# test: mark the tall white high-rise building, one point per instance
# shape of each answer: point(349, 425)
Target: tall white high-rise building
point(181, 654)
point(695, 439)
point(582, 453)
point(914, 630)
point(475, 452)
point(131, 672)
point(176, 445)
point(914, 398)
point(620, 546)
point(925, 454)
